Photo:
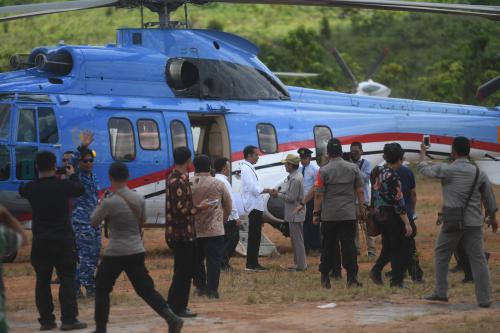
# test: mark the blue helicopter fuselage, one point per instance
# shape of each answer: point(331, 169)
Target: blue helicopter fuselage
point(157, 89)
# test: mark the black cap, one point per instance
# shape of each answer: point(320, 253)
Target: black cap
point(304, 152)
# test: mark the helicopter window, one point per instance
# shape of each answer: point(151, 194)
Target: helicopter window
point(25, 162)
point(26, 130)
point(179, 137)
point(121, 137)
point(34, 98)
point(149, 138)
point(222, 80)
point(47, 126)
point(322, 134)
point(4, 121)
point(4, 163)
point(268, 141)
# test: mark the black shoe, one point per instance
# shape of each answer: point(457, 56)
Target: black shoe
point(325, 281)
point(48, 326)
point(437, 298)
point(398, 285)
point(186, 313)
point(484, 305)
point(456, 269)
point(354, 284)
point(174, 322)
point(468, 280)
point(99, 331)
point(372, 255)
point(257, 268)
point(213, 294)
point(77, 325)
point(376, 278)
point(418, 280)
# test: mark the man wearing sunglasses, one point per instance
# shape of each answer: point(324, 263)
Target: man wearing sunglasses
point(88, 238)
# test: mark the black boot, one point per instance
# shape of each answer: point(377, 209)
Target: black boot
point(174, 322)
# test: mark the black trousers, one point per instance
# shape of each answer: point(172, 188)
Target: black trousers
point(254, 235)
point(231, 239)
point(211, 250)
point(184, 266)
point(109, 270)
point(312, 232)
point(333, 232)
point(61, 255)
point(395, 248)
point(337, 258)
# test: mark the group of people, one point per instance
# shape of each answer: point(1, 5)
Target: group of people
point(322, 206)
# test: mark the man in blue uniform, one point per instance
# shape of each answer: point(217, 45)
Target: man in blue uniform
point(312, 240)
point(88, 238)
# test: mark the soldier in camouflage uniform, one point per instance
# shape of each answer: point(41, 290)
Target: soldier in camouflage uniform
point(88, 238)
point(12, 237)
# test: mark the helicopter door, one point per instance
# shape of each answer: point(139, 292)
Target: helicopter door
point(210, 136)
point(36, 130)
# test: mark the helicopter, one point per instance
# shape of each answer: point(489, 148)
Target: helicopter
point(155, 89)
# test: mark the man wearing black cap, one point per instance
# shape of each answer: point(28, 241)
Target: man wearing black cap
point(337, 186)
point(312, 235)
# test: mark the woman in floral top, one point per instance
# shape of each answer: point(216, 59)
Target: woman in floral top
point(390, 215)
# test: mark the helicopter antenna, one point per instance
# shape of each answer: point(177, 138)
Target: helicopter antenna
point(186, 15)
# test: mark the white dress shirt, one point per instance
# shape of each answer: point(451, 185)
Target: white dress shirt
point(309, 174)
point(234, 211)
point(251, 190)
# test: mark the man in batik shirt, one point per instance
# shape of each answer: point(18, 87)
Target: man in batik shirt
point(180, 233)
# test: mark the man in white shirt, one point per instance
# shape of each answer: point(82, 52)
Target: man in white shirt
point(232, 226)
point(253, 201)
point(309, 171)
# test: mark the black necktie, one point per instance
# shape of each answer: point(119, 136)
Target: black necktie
point(303, 171)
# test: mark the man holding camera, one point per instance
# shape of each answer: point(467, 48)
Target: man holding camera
point(53, 240)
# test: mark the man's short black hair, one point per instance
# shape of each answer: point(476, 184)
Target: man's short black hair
point(393, 152)
point(220, 164)
point(248, 151)
point(334, 147)
point(181, 155)
point(45, 161)
point(118, 171)
point(357, 144)
point(201, 163)
point(461, 146)
point(86, 152)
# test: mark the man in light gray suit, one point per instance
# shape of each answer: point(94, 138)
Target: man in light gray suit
point(293, 195)
point(457, 181)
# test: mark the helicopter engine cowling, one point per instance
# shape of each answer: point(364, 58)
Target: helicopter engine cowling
point(59, 63)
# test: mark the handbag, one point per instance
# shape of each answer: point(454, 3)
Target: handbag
point(371, 224)
point(453, 217)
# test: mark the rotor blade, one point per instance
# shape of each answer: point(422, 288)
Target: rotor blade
point(345, 69)
point(376, 65)
point(488, 88)
point(64, 7)
point(292, 74)
point(490, 12)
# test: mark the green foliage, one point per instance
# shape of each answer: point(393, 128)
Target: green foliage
point(431, 57)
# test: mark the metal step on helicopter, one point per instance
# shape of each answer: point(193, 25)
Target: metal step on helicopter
point(156, 89)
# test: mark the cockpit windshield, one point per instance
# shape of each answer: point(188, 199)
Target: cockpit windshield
point(4, 121)
point(216, 79)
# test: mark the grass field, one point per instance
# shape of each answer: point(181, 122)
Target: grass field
point(280, 301)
